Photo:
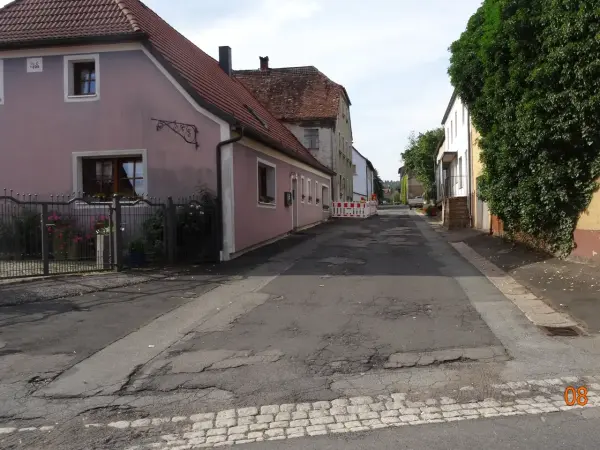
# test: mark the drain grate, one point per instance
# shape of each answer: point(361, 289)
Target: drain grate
point(562, 331)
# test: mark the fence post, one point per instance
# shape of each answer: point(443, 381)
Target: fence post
point(171, 230)
point(45, 240)
point(117, 233)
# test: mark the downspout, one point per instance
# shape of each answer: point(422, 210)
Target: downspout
point(333, 177)
point(220, 145)
point(469, 187)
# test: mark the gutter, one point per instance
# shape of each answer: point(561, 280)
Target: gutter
point(220, 145)
point(470, 168)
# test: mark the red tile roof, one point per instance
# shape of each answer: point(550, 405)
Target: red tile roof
point(37, 21)
point(294, 93)
point(27, 20)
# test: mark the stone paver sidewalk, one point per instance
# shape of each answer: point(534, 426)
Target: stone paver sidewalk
point(567, 286)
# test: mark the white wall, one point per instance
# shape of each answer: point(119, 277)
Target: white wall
point(456, 128)
point(360, 178)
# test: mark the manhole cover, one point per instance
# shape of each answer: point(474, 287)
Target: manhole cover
point(562, 331)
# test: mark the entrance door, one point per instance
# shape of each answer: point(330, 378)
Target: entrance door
point(294, 203)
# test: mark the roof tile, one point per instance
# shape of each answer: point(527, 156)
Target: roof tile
point(294, 93)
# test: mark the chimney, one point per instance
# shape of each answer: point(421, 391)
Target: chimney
point(264, 62)
point(225, 59)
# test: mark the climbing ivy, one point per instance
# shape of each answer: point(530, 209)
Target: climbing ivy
point(529, 72)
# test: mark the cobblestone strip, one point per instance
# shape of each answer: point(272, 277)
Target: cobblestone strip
point(274, 422)
point(538, 312)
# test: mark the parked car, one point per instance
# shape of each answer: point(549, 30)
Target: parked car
point(416, 202)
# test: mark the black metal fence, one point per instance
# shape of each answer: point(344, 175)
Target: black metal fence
point(70, 234)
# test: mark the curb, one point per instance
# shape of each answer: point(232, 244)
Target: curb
point(537, 311)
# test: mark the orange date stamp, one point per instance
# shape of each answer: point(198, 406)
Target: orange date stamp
point(576, 396)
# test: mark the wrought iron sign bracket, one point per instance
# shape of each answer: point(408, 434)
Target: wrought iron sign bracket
point(188, 132)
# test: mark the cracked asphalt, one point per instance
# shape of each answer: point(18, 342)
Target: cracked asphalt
point(349, 308)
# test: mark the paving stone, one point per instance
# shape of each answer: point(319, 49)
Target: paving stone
point(245, 441)
point(359, 429)
point(264, 418)
point(273, 432)
point(336, 426)
point(377, 407)
point(322, 420)
point(316, 428)
point(394, 405)
point(390, 419)
point(371, 422)
point(450, 407)
point(216, 432)
point(280, 424)
point(430, 409)
point(229, 414)
point(488, 411)
point(299, 415)
point(178, 419)
point(338, 410)
point(352, 424)
point(202, 417)
point(249, 420)
point(269, 409)
point(259, 426)
point(415, 404)
point(241, 429)
point(300, 423)
point(340, 402)
point(236, 437)
point(392, 413)
point(225, 423)
point(469, 412)
point(321, 405)
point(122, 424)
point(451, 414)
point(346, 418)
point(368, 415)
point(245, 412)
point(430, 402)
point(194, 434)
point(160, 420)
point(288, 407)
point(361, 400)
point(358, 409)
point(399, 397)
point(215, 439)
point(283, 416)
point(318, 413)
point(255, 434)
point(295, 430)
point(303, 407)
point(429, 416)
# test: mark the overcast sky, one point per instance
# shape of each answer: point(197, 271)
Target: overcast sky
point(391, 55)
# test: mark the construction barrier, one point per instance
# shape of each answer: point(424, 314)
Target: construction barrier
point(354, 209)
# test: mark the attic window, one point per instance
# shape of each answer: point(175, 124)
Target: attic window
point(257, 117)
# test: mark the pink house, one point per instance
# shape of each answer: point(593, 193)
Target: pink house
point(103, 96)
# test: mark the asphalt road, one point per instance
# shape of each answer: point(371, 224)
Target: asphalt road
point(549, 432)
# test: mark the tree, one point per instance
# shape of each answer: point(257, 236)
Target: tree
point(419, 156)
point(528, 71)
point(404, 190)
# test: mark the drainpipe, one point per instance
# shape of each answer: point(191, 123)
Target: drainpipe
point(220, 145)
point(469, 187)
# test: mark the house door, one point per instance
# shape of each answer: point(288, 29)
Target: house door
point(294, 203)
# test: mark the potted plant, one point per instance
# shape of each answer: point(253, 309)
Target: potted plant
point(137, 253)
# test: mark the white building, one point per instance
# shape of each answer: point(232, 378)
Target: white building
point(453, 160)
point(364, 174)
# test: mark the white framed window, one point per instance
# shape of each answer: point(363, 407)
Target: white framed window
point(309, 191)
point(102, 174)
point(317, 200)
point(311, 138)
point(451, 130)
point(463, 114)
point(266, 183)
point(460, 173)
point(81, 75)
point(302, 189)
point(1, 82)
point(447, 138)
point(455, 123)
point(354, 169)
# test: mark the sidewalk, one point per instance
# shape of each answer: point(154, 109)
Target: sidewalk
point(567, 286)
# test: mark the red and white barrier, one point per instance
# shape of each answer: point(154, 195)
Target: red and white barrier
point(354, 209)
